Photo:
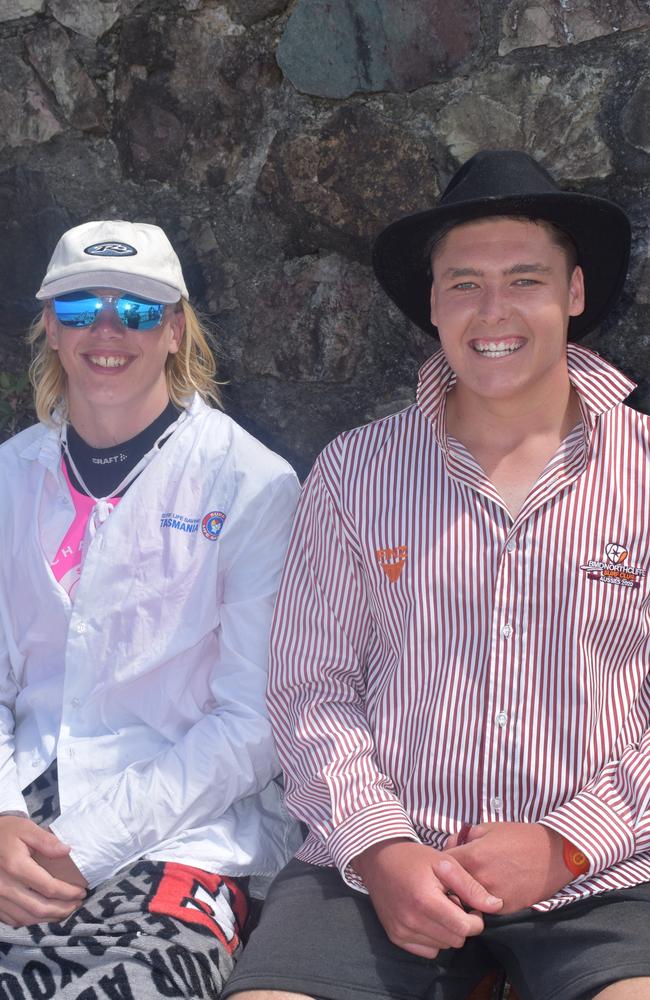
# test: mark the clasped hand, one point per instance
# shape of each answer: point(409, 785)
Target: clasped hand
point(520, 862)
point(424, 899)
point(39, 882)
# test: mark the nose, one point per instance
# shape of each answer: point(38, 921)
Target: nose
point(493, 304)
point(107, 320)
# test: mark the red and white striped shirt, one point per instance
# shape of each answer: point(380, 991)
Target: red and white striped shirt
point(434, 661)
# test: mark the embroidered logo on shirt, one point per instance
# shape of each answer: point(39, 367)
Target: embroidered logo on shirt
point(179, 521)
point(212, 524)
point(392, 561)
point(614, 569)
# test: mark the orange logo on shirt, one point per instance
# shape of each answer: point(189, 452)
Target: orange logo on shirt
point(392, 561)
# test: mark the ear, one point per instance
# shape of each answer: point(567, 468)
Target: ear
point(434, 312)
point(52, 331)
point(577, 292)
point(177, 331)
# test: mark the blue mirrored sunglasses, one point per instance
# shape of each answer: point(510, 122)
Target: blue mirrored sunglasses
point(81, 309)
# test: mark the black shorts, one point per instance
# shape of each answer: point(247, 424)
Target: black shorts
point(319, 937)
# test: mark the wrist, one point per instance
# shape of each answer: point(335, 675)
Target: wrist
point(574, 859)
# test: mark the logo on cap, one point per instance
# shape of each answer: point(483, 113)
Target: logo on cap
point(111, 250)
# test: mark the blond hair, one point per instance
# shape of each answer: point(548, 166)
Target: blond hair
point(192, 369)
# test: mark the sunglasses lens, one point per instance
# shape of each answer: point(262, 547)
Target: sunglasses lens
point(77, 309)
point(81, 309)
point(139, 314)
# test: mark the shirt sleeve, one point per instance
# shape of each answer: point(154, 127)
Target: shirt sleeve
point(609, 819)
point(229, 753)
point(11, 797)
point(321, 640)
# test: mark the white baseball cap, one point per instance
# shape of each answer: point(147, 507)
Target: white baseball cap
point(128, 256)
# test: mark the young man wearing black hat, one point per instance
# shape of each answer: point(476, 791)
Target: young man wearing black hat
point(460, 684)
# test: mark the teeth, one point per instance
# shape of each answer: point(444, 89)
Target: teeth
point(105, 362)
point(495, 350)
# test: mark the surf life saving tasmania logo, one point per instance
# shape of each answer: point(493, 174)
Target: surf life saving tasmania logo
point(392, 561)
point(181, 522)
point(615, 568)
point(212, 524)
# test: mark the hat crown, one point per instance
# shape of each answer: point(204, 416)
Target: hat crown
point(498, 173)
point(135, 257)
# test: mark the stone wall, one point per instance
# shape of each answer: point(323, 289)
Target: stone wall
point(273, 138)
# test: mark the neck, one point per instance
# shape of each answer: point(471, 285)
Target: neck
point(104, 427)
point(502, 424)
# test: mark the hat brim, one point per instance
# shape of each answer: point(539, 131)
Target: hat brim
point(123, 281)
point(599, 228)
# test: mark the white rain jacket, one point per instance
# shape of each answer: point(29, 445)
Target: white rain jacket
point(149, 689)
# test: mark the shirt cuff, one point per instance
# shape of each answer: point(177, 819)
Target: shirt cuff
point(595, 828)
point(13, 801)
point(381, 821)
point(100, 843)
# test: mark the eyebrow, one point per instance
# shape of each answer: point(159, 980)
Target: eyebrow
point(469, 272)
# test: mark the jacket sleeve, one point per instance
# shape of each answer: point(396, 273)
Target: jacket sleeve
point(11, 798)
point(229, 753)
point(609, 819)
point(321, 641)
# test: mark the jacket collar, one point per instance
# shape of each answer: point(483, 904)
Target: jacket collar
point(46, 446)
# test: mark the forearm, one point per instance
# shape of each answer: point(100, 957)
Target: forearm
point(188, 786)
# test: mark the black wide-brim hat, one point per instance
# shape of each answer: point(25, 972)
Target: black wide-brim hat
point(507, 182)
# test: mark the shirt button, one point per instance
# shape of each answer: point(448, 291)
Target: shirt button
point(81, 628)
point(506, 631)
point(502, 718)
point(496, 803)
point(511, 545)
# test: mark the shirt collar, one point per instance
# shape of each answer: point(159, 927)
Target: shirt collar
point(600, 386)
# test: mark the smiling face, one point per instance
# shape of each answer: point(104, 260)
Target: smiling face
point(115, 375)
point(501, 299)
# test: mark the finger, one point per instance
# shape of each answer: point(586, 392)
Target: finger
point(423, 950)
point(468, 890)
point(45, 842)
point(440, 923)
point(450, 931)
point(39, 880)
point(33, 908)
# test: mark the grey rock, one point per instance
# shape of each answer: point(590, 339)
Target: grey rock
point(555, 116)
point(635, 122)
point(26, 111)
point(249, 12)
point(10, 10)
point(317, 331)
point(315, 312)
point(92, 19)
point(527, 23)
point(334, 48)
point(337, 185)
point(53, 58)
point(206, 101)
